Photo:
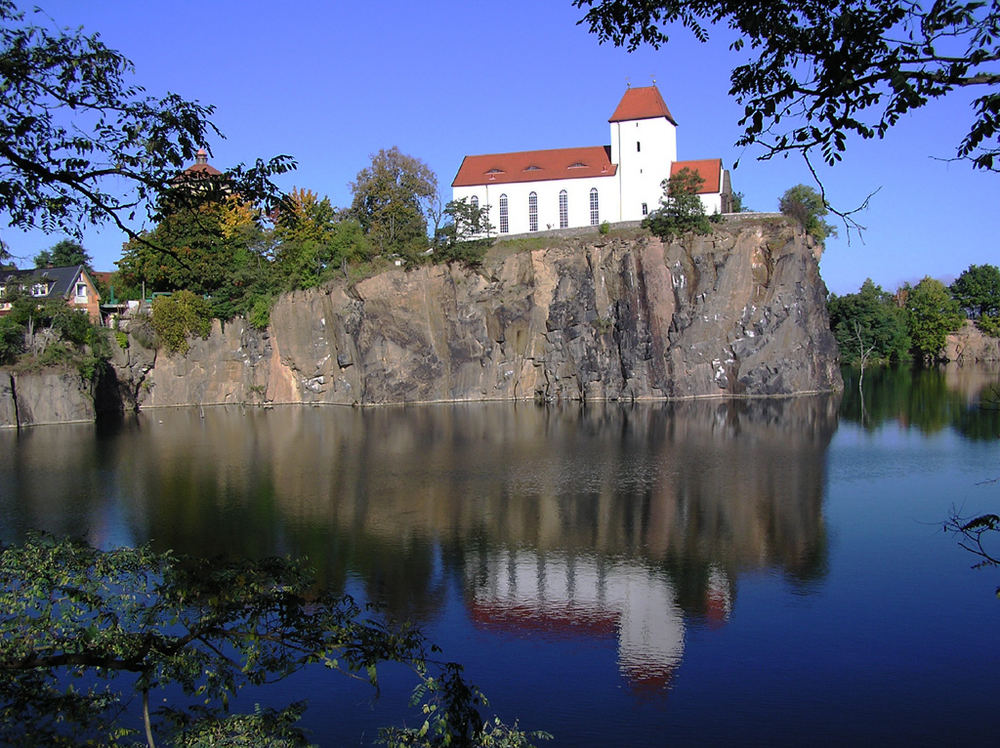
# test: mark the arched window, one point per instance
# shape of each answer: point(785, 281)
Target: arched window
point(563, 210)
point(504, 221)
point(475, 201)
point(532, 211)
point(595, 213)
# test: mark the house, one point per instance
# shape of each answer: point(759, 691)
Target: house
point(572, 187)
point(74, 285)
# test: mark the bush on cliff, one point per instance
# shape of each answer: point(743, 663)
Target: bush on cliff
point(681, 210)
point(807, 206)
point(178, 316)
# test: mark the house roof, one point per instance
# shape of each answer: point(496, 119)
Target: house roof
point(709, 169)
point(535, 166)
point(201, 167)
point(641, 103)
point(60, 279)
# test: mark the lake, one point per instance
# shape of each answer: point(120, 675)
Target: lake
point(757, 572)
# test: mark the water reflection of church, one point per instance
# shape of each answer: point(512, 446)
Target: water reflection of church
point(559, 594)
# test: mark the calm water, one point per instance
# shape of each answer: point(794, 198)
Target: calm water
point(767, 572)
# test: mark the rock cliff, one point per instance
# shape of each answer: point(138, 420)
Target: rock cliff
point(740, 312)
point(969, 345)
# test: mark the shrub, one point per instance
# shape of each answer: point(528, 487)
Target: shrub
point(11, 340)
point(681, 210)
point(177, 316)
point(989, 325)
point(806, 206)
point(604, 228)
point(260, 313)
point(72, 325)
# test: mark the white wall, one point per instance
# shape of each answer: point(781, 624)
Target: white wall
point(577, 194)
point(641, 170)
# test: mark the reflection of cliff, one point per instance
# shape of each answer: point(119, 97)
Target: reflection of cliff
point(395, 496)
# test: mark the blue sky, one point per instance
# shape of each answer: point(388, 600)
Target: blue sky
point(332, 82)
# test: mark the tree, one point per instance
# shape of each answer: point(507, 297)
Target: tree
point(819, 72)
point(681, 210)
point(313, 240)
point(81, 144)
point(63, 254)
point(393, 198)
point(869, 325)
point(466, 235)
point(806, 206)
point(80, 628)
point(977, 290)
point(931, 313)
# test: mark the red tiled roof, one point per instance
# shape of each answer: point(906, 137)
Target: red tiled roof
point(641, 103)
point(535, 166)
point(709, 169)
point(199, 169)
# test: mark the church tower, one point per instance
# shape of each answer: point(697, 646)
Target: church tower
point(643, 145)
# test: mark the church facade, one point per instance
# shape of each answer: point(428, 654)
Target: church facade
point(531, 191)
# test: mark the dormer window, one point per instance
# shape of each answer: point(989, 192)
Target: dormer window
point(39, 289)
point(578, 165)
point(495, 171)
point(532, 168)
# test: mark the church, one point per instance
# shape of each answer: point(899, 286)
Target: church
point(573, 187)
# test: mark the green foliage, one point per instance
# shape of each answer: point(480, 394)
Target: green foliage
point(83, 145)
point(188, 250)
point(816, 72)
point(73, 325)
point(466, 235)
point(260, 313)
point(393, 198)
point(122, 339)
point(681, 210)
point(11, 339)
point(179, 315)
point(604, 228)
point(931, 313)
point(63, 253)
point(977, 290)
point(739, 203)
point(869, 320)
point(83, 632)
point(806, 206)
point(989, 325)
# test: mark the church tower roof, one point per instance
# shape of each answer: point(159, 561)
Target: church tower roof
point(641, 103)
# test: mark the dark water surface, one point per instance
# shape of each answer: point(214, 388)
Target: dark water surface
point(743, 573)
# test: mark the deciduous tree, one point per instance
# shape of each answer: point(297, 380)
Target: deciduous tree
point(62, 254)
point(977, 290)
point(82, 144)
point(393, 198)
point(806, 206)
point(82, 630)
point(681, 210)
point(931, 313)
point(870, 324)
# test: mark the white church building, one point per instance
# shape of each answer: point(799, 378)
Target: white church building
point(572, 187)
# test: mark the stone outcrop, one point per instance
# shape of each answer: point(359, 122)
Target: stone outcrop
point(52, 395)
point(969, 345)
point(740, 312)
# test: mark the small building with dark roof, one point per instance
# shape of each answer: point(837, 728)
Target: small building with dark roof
point(72, 285)
point(559, 188)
